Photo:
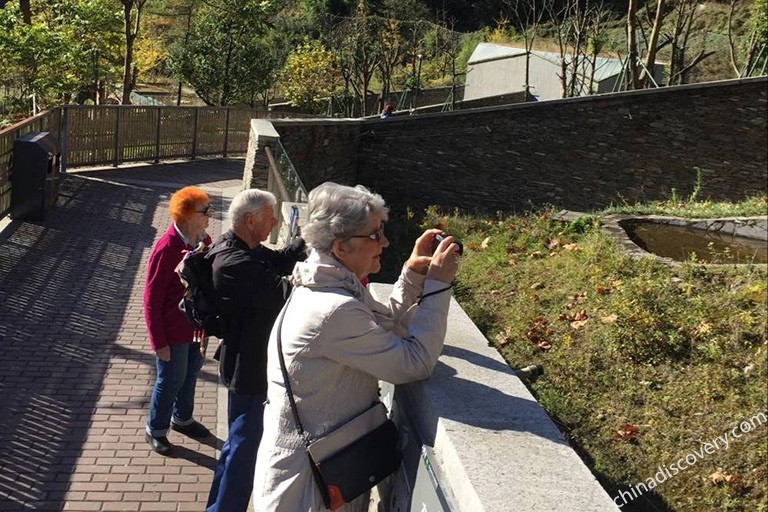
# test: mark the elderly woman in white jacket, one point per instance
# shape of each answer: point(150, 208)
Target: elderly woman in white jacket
point(338, 341)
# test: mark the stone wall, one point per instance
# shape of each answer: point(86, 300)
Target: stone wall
point(321, 151)
point(579, 153)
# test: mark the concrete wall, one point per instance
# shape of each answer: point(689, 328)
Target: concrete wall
point(486, 442)
point(578, 153)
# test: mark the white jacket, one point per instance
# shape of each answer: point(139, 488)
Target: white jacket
point(337, 343)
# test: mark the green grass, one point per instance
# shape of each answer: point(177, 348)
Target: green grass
point(678, 352)
point(693, 207)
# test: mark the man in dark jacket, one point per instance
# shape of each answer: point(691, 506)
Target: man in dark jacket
point(250, 293)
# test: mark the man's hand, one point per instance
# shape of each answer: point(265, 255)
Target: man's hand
point(164, 353)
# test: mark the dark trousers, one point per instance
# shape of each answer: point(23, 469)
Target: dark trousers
point(233, 479)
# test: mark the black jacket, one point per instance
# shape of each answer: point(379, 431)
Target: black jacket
point(251, 294)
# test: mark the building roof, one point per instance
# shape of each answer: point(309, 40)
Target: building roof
point(484, 52)
point(492, 51)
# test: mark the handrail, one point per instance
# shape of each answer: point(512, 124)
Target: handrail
point(284, 196)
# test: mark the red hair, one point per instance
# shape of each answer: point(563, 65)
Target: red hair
point(185, 201)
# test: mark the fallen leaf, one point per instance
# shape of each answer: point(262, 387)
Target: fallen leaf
point(502, 338)
point(512, 262)
point(537, 286)
point(553, 243)
point(578, 324)
point(484, 243)
point(720, 477)
point(610, 319)
point(628, 432)
point(602, 290)
point(571, 247)
point(543, 345)
point(703, 328)
point(535, 254)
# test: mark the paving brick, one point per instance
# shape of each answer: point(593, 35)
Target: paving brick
point(76, 371)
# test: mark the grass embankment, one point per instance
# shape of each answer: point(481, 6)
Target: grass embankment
point(644, 363)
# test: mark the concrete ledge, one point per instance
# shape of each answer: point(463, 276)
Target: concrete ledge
point(482, 438)
point(755, 228)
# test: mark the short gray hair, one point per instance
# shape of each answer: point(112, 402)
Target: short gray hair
point(338, 212)
point(250, 200)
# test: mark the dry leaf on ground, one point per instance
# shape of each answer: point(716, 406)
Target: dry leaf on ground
point(628, 432)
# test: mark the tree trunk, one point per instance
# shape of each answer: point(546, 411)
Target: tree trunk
point(26, 11)
point(632, 69)
point(128, 61)
point(650, 59)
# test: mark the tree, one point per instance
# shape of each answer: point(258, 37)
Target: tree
point(528, 15)
point(392, 51)
point(686, 13)
point(361, 50)
point(52, 58)
point(310, 75)
point(755, 46)
point(132, 10)
point(227, 59)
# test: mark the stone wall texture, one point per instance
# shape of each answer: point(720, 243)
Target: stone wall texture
point(580, 153)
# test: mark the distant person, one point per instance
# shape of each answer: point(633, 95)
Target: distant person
point(250, 293)
point(338, 341)
point(176, 344)
point(387, 110)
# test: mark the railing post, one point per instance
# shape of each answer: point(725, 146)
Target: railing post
point(194, 133)
point(63, 138)
point(157, 134)
point(226, 131)
point(117, 136)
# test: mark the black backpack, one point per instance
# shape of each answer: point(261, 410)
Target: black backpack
point(198, 304)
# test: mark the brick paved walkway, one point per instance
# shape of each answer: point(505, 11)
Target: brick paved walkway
point(76, 371)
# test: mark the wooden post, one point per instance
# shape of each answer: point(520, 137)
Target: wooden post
point(226, 130)
point(117, 136)
point(194, 133)
point(157, 134)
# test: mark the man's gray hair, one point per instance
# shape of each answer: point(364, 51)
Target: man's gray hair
point(250, 200)
point(338, 212)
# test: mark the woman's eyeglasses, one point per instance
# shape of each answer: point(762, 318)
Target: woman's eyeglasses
point(205, 211)
point(376, 236)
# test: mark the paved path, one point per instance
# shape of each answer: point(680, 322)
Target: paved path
point(76, 371)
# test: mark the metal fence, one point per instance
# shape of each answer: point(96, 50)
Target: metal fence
point(114, 134)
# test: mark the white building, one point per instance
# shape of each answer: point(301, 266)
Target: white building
point(495, 69)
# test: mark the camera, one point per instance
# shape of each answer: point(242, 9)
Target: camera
point(440, 237)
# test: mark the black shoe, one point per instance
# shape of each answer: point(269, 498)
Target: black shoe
point(159, 444)
point(194, 429)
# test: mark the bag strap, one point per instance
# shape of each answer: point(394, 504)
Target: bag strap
point(299, 426)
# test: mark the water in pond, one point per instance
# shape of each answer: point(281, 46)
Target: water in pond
point(680, 242)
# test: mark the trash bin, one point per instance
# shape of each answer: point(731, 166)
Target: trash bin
point(34, 175)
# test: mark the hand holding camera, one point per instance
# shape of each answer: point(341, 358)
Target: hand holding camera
point(441, 236)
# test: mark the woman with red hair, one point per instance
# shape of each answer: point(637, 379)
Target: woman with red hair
point(171, 336)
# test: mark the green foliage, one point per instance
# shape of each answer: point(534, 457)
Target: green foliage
point(67, 51)
point(678, 352)
point(227, 59)
point(310, 75)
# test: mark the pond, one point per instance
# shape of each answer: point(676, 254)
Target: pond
point(680, 243)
